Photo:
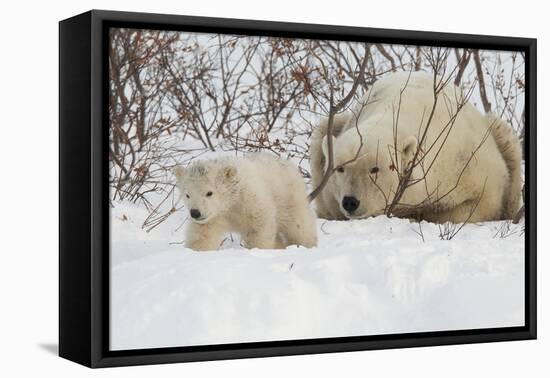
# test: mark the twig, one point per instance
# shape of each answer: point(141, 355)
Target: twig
point(336, 108)
point(481, 80)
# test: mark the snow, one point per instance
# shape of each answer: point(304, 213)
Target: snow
point(366, 277)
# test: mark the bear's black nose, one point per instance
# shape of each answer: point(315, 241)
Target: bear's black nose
point(195, 213)
point(350, 204)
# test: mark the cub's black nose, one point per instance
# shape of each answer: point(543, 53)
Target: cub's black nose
point(195, 213)
point(350, 204)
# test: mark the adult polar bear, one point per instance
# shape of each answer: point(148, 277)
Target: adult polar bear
point(471, 163)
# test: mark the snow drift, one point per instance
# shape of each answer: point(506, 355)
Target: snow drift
point(366, 277)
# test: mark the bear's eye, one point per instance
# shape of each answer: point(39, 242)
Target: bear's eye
point(340, 169)
point(374, 170)
point(209, 194)
point(187, 195)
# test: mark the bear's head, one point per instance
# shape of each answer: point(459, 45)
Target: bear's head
point(205, 187)
point(366, 173)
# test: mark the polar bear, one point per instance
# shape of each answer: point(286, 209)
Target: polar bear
point(471, 163)
point(260, 197)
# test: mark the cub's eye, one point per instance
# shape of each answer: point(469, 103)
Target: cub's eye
point(209, 194)
point(374, 170)
point(187, 195)
point(340, 169)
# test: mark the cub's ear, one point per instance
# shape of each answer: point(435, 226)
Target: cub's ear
point(410, 144)
point(178, 171)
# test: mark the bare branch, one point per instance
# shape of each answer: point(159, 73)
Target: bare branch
point(332, 111)
point(481, 80)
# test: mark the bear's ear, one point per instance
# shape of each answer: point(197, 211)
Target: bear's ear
point(229, 173)
point(410, 145)
point(178, 171)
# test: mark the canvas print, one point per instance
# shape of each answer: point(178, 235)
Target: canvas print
point(266, 188)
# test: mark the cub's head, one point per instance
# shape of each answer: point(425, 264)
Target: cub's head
point(366, 176)
point(205, 187)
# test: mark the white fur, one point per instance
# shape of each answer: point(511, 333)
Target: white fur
point(486, 188)
point(260, 197)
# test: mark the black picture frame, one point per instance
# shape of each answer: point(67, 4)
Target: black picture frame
point(83, 181)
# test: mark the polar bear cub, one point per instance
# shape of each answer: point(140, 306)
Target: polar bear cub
point(260, 197)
